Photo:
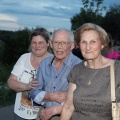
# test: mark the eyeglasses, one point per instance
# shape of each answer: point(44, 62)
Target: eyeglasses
point(62, 43)
point(41, 43)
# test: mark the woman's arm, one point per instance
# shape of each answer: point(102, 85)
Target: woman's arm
point(68, 107)
point(20, 86)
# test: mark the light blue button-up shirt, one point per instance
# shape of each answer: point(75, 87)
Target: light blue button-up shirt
point(51, 80)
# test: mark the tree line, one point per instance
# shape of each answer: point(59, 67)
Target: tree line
point(15, 43)
point(94, 11)
point(12, 45)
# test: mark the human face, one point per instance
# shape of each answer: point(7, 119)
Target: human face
point(38, 46)
point(61, 45)
point(90, 45)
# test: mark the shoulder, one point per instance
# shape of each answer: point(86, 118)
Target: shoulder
point(75, 57)
point(117, 67)
point(23, 58)
point(72, 59)
point(47, 60)
point(117, 63)
point(75, 72)
point(25, 55)
point(45, 64)
point(77, 68)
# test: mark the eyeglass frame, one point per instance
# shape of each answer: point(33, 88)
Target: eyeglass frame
point(63, 43)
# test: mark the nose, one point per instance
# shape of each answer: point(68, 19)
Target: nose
point(59, 44)
point(37, 44)
point(88, 47)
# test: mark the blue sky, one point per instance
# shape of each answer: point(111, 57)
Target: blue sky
point(50, 14)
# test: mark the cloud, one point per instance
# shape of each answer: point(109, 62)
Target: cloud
point(10, 26)
point(53, 8)
point(5, 17)
point(45, 13)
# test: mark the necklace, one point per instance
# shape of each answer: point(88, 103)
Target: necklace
point(91, 78)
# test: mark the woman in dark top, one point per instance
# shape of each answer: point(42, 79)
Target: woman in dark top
point(89, 96)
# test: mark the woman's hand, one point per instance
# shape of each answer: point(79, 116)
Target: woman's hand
point(31, 84)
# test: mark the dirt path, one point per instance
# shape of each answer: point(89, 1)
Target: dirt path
point(7, 113)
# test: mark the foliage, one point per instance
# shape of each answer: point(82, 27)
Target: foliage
point(2, 49)
point(12, 45)
point(90, 12)
point(93, 6)
point(16, 43)
point(6, 96)
point(112, 21)
point(4, 73)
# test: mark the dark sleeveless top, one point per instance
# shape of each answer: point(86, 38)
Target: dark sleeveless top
point(93, 102)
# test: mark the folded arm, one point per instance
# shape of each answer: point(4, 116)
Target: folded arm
point(40, 97)
point(55, 96)
point(47, 113)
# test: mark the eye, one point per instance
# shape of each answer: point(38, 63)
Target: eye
point(81, 42)
point(41, 43)
point(64, 43)
point(93, 41)
point(55, 42)
point(33, 42)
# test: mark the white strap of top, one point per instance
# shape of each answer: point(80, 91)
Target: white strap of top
point(112, 77)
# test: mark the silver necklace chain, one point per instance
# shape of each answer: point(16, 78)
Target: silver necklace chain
point(91, 78)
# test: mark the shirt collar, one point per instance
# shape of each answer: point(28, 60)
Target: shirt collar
point(67, 62)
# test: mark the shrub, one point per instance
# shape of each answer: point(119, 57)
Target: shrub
point(7, 96)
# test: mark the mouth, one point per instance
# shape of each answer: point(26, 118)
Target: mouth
point(88, 52)
point(37, 49)
point(59, 52)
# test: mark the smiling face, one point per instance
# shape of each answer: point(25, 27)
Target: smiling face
point(61, 45)
point(38, 45)
point(90, 45)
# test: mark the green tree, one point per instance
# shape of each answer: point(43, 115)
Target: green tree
point(2, 49)
point(90, 12)
point(16, 43)
point(112, 21)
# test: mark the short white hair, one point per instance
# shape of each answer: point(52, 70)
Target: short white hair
point(70, 33)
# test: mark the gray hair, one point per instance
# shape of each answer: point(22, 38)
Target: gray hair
point(70, 33)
